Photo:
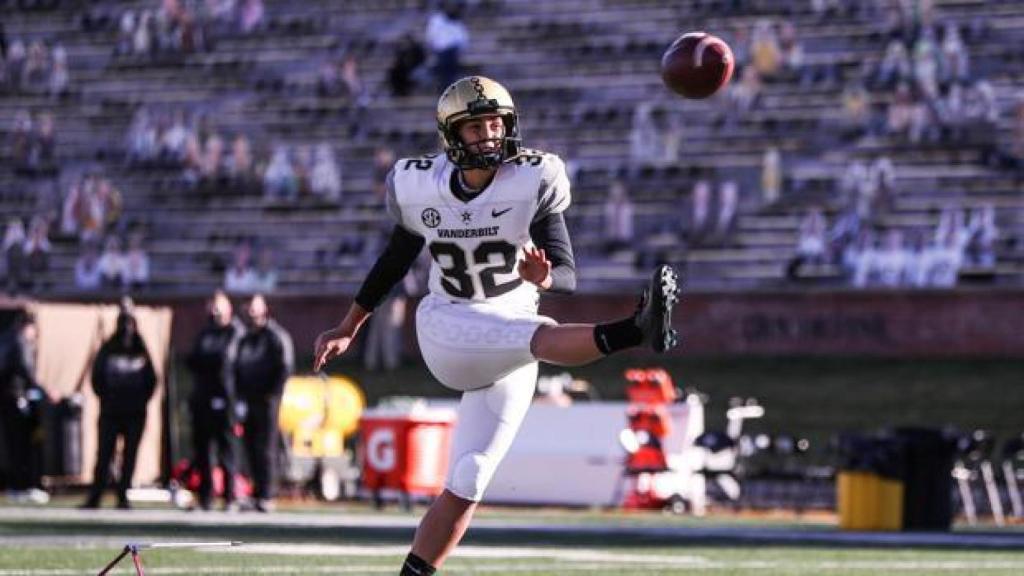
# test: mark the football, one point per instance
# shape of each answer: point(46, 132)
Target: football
point(697, 65)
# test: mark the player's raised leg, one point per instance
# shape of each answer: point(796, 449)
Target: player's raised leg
point(577, 344)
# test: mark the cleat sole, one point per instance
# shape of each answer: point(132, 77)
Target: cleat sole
point(668, 295)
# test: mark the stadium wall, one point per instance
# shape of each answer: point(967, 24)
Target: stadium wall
point(960, 323)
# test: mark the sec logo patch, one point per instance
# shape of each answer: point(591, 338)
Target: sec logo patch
point(431, 218)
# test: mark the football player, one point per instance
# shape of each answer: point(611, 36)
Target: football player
point(490, 213)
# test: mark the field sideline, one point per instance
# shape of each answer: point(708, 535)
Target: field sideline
point(56, 541)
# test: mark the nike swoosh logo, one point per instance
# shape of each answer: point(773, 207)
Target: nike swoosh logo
point(496, 213)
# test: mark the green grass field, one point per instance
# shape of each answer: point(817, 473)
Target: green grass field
point(58, 542)
point(532, 561)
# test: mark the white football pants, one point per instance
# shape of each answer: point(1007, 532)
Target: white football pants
point(484, 351)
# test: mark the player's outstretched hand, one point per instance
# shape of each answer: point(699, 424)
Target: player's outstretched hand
point(329, 345)
point(535, 267)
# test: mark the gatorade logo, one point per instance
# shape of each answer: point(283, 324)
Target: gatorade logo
point(380, 449)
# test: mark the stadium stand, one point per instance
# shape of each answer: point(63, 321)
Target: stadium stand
point(580, 70)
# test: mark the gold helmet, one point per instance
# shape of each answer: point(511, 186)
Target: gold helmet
point(471, 97)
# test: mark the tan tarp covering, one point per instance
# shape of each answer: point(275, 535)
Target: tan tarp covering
point(69, 336)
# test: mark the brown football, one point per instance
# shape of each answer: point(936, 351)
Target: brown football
point(697, 65)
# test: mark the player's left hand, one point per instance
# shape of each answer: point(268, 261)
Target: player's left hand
point(535, 267)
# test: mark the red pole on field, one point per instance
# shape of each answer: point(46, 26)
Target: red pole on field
point(137, 561)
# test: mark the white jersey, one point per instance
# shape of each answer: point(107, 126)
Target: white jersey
point(476, 245)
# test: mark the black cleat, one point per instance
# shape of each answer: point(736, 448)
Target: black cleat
point(654, 316)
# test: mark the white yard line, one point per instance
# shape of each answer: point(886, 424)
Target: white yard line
point(482, 552)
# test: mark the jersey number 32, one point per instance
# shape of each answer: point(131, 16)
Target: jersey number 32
point(454, 266)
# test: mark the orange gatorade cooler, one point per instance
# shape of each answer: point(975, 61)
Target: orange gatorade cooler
point(405, 450)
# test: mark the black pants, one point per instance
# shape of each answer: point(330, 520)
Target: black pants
point(129, 427)
point(261, 445)
point(211, 430)
point(17, 433)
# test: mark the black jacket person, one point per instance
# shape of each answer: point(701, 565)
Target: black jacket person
point(18, 391)
point(212, 400)
point(124, 380)
point(260, 364)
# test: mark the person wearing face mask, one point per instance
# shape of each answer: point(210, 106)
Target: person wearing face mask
point(212, 399)
point(259, 364)
point(124, 380)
